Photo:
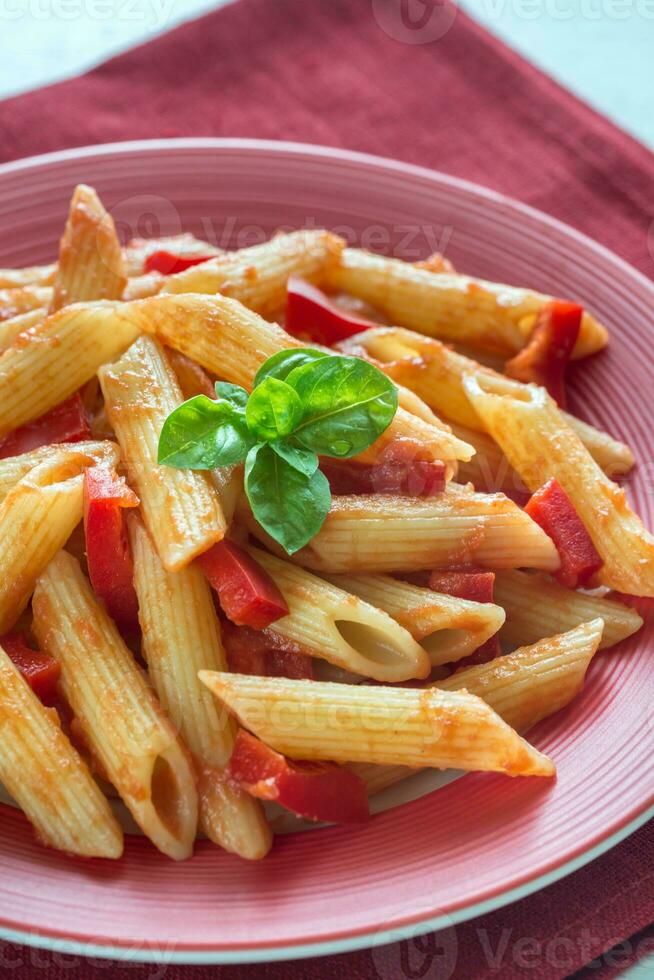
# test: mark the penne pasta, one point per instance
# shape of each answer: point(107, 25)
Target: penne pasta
point(489, 469)
point(109, 342)
point(257, 276)
point(59, 356)
point(338, 626)
point(446, 627)
point(540, 446)
point(134, 256)
point(381, 533)
point(91, 264)
point(457, 308)
point(11, 329)
point(14, 468)
point(36, 275)
point(417, 437)
point(436, 373)
point(180, 507)
point(233, 342)
point(523, 688)
point(120, 717)
point(537, 606)
point(37, 516)
point(180, 637)
point(386, 725)
point(217, 332)
point(140, 287)
point(46, 776)
point(14, 302)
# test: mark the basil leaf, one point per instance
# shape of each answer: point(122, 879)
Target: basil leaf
point(289, 505)
point(273, 410)
point(234, 394)
point(280, 365)
point(303, 460)
point(202, 434)
point(347, 404)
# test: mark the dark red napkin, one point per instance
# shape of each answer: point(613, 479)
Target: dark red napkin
point(437, 90)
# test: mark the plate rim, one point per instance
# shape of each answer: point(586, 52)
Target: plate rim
point(360, 941)
point(366, 937)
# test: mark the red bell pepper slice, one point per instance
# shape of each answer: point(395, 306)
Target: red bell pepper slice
point(552, 509)
point(265, 653)
point(413, 479)
point(313, 790)
point(167, 263)
point(39, 670)
point(311, 315)
point(247, 594)
point(107, 549)
point(476, 586)
point(66, 422)
point(544, 358)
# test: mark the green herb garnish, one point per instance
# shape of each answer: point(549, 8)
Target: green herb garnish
point(304, 403)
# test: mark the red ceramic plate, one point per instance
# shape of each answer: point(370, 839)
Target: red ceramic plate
point(477, 842)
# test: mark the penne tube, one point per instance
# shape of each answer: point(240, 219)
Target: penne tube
point(436, 373)
point(14, 468)
point(453, 307)
point(180, 507)
point(13, 302)
point(446, 627)
point(489, 469)
point(232, 342)
point(140, 287)
point(338, 626)
point(193, 380)
point(257, 276)
point(120, 717)
point(380, 533)
point(417, 437)
point(62, 354)
point(386, 725)
point(11, 329)
point(539, 446)
point(36, 275)
point(523, 688)
point(91, 264)
point(46, 776)
point(615, 458)
point(537, 606)
point(180, 637)
point(37, 516)
point(217, 332)
point(134, 255)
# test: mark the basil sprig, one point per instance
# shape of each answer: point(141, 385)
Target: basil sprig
point(304, 403)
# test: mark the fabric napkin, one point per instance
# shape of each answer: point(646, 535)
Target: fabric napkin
point(438, 91)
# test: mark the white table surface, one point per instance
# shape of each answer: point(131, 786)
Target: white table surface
point(601, 49)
